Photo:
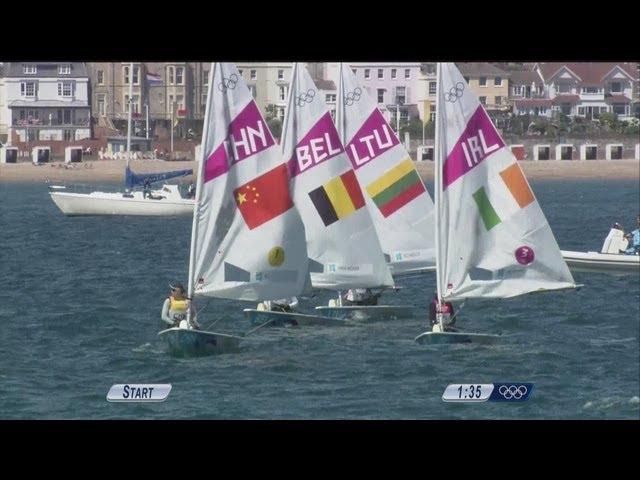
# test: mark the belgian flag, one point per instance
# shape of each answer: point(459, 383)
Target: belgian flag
point(338, 198)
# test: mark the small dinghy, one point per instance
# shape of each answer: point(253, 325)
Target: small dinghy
point(440, 338)
point(291, 319)
point(186, 342)
point(366, 312)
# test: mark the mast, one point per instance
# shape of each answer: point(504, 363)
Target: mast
point(199, 183)
point(437, 183)
point(130, 110)
point(340, 106)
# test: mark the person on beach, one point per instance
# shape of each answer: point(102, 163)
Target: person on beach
point(634, 240)
point(176, 307)
point(360, 296)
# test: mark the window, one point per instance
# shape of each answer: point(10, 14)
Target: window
point(466, 79)
point(482, 81)
point(400, 95)
point(381, 95)
point(135, 99)
point(380, 73)
point(179, 102)
point(355, 71)
point(580, 110)
point(64, 116)
point(430, 68)
point(28, 89)
point(566, 108)
point(204, 102)
point(64, 69)
point(404, 116)
point(619, 108)
point(564, 87)
point(100, 77)
point(102, 104)
point(65, 89)
point(367, 73)
point(433, 88)
point(483, 100)
point(517, 90)
point(330, 98)
point(205, 77)
point(497, 81)
point(282, 93)
point(29, 69)
point(590, 89)
point(432, 116)
point(615, 87)
point(498, 100)
point(171, 75)
point(280, 74)
point(542, 111)
point(393, 73)
point(407, 73)
point(253, 90)
point(240, 72)
point(179, 75)
point(125, 74)
point(253, 74)
point(68, 135)
point(170, 104)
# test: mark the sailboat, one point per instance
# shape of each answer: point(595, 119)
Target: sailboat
point(343, 247)
point(397, 199)
point(492, 238)
point(165, 201)
point(247, 240)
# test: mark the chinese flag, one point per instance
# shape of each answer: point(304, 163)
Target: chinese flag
point(264, 197)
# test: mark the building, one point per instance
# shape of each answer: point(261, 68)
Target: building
point(47, 101)
point(489, 83)
point(427, 88)
point(269, 84)
point(395, 86)
point(527, 94)
point(589, 89)
point(4, 122)
point(160, 91)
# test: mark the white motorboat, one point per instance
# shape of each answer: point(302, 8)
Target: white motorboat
point(609, 260)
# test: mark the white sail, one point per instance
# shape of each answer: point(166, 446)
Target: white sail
point(343, 247)
point(399, 203)
point(493, 239)
point(248, 240)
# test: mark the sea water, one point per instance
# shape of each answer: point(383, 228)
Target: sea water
point(80, 302)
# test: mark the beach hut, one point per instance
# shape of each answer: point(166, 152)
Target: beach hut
point(72, 154)
point(40, 155)
point(518, 152)
point(589, 151)
point(564, 151)
point(637, 151)
point(541, 152)
point(614, 151)
point(8, 154)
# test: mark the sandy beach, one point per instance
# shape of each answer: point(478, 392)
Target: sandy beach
point(101, 171)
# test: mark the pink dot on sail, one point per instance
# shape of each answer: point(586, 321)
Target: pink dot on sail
point(525, 255)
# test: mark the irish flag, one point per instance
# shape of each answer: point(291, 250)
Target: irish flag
point(397, 187)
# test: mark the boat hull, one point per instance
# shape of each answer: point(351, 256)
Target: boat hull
point(367, 312)
point(99, 203)
point(442, 338)
point(611, 263)
point(285, 319)
point(186, 343)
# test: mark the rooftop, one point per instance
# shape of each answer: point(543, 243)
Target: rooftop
point(45, 69)
point(478, 69)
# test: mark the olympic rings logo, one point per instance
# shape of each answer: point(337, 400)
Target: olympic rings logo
point(353, 97)
point(513, 392)
point(454, 93)
point(227, 83)
point(305, 97)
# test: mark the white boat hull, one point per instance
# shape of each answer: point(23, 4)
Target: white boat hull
point(440, 338)
point(186, 342)
point(367, 312)
point(612, 263)
point(285, 319)
point(105, 203)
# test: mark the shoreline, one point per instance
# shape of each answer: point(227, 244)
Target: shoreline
point(106, 171)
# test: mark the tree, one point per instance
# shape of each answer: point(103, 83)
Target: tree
point(414, 127)
point(275, 125)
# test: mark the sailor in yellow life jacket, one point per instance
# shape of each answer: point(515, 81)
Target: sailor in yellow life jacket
point(176, 308)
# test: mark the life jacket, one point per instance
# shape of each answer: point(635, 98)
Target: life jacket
point(178, 308)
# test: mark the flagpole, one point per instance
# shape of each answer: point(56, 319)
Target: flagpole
point(130, 109)
point(147, 112)
point(172, 108)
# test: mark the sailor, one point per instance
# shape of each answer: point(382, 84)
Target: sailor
point(146, 189)
point(360, 296)
point(176, 307)
point(441, 314)
point(191, 192)
point(282, 305)
point(634, 240)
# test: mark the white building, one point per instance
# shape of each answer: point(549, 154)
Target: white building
point(47, 100)
point(4, 122)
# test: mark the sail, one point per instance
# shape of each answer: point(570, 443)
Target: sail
point(343, 247)
point(493, 239)
point(132, 179)
point(248, 240)
point(399, 203)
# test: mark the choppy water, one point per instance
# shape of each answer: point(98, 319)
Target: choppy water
point(80, 301)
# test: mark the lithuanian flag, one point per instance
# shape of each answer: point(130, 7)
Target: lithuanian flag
point(338, 198)
point(396, 188)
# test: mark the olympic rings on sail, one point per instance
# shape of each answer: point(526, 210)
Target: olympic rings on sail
point(305, 97)
point(353, 97)
point(227, 83)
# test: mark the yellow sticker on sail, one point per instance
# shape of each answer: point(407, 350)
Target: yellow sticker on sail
point(276, 256)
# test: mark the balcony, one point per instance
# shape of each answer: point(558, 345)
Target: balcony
point(38, 123)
